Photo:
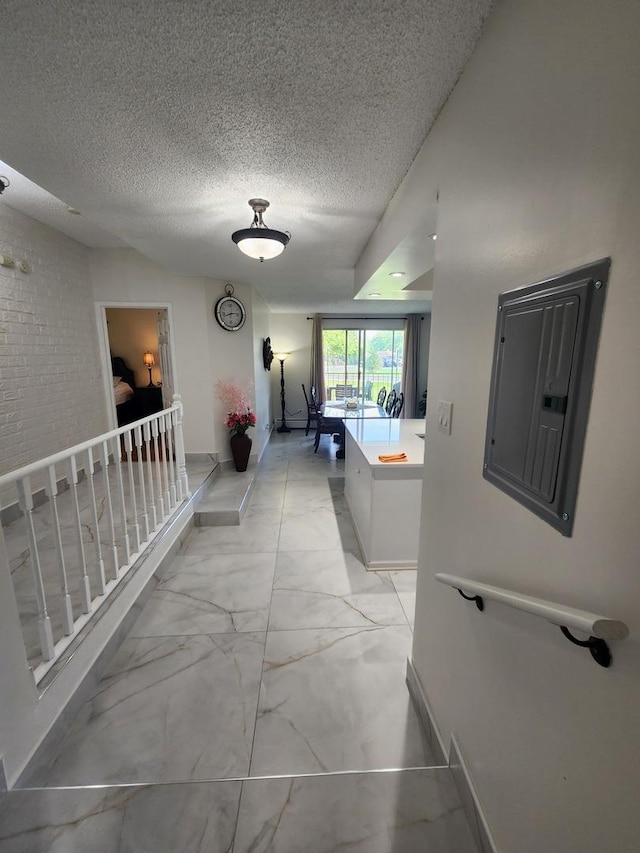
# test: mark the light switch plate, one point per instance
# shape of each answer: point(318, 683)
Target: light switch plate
point(445, 413)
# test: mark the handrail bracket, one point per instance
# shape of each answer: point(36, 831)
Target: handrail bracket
point(599, 649)
point(477, 598)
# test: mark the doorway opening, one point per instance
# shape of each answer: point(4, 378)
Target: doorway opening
point(137, 350)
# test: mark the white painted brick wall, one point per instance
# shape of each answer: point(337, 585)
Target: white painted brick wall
point(51, 395)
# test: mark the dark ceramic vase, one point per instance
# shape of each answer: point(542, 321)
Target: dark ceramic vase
point(240, 450)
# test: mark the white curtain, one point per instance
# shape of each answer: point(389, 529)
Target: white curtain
point(410, 365)
point(317, 359)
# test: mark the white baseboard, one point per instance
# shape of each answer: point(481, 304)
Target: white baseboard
point(457, 765)
point(431, 730)
point(471, 804)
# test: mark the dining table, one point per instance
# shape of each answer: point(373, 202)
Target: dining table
point(339, 411)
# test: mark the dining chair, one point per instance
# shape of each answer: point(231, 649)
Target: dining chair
point(312, 411)
point(391, 400)
point(398, 406)
point(317, 404)
point(382, 394)
point(328, 426)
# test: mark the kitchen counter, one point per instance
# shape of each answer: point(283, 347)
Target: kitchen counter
point(384, 498)
point(376, 437)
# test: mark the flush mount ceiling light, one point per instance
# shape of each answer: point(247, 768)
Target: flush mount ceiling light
point(397, 274)
point(258, 241)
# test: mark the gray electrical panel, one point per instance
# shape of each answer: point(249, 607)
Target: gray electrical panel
point(544, 360)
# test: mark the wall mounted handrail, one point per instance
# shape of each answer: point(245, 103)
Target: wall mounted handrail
point(600, 628)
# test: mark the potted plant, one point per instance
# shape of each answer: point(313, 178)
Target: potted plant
point(238, 420)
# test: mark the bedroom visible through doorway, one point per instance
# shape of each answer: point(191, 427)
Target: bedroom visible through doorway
point(139, 371)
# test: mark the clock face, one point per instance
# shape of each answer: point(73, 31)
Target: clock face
point(230, 313)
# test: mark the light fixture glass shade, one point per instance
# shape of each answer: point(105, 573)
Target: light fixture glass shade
point(148, 359)
point(260, 243)
point(282, 355)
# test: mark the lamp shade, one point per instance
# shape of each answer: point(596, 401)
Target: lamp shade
point(260, 243)
point(282, 355)
point(148, 359)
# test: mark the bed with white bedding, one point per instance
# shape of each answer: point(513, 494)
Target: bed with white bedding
point(124, 391)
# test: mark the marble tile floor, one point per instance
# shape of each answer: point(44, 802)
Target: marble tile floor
point(410, 811)
point(266, 650)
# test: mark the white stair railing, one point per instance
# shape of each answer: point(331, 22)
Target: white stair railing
point(86, 516)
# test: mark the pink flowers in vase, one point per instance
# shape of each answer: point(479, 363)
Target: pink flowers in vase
point(238, 402)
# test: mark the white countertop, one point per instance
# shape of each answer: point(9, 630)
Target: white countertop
point(378, 436)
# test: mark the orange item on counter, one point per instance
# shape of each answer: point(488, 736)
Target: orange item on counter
point(393, 457)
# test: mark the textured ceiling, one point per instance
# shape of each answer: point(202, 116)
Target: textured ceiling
point(159, 120)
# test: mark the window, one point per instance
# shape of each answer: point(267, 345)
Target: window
point(358, 362)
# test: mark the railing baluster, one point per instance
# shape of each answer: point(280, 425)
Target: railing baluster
point(128, 446)
point(117, 463)
point(173, 468)
point(91, 464)
point(109, 507)
point(149, 467)
point(51, 489)
point(85, 586)
point(137, 435)
point(158, 467)
point(164, 449)
point(45, 632)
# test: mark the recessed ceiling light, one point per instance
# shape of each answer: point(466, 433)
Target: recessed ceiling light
point(397, 274)
point(433, 236)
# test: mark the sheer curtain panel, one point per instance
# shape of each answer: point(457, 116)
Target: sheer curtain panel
point(410, 365)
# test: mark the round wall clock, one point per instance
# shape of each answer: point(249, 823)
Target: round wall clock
point(229, 311)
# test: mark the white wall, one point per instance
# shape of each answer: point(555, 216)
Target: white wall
point(291, 333)
point(232, 360)
point(536, 160)
point(123, 275)
point(50, 390)
point(261, 325)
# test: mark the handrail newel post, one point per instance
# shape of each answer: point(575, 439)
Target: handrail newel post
point(180, 455)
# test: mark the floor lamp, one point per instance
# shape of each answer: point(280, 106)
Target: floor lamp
point(281, 357)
